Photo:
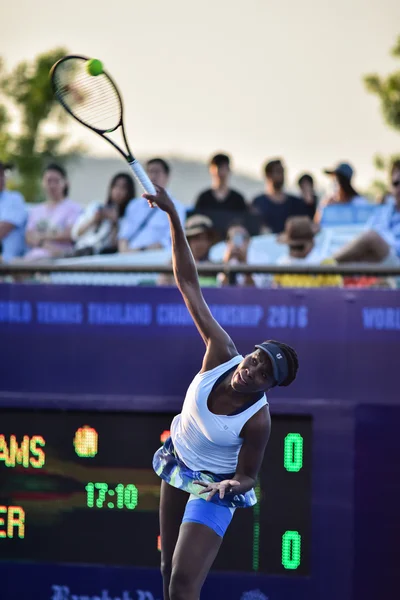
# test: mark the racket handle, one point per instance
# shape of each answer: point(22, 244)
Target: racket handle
point(143, 178)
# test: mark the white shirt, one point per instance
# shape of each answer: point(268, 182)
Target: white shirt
point(13, 210)
point(156, 229)
point(205, 441)
point(96, 237)
point(315, 257)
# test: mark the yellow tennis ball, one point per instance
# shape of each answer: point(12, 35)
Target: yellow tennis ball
point(94, 66)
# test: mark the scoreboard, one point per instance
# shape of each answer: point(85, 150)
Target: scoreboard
point(78, 488)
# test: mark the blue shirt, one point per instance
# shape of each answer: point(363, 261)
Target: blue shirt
point(13, 210)
point(387, 224)
point(155, 229)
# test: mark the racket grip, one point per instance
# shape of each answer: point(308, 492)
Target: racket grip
point(143, 178)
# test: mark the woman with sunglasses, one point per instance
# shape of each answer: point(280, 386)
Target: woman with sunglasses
point(381, 243)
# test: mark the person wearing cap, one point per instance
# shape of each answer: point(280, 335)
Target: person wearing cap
point(299, 235)
point(343, 191)
point(13, 218)
point(210, 463)
point(200, 234)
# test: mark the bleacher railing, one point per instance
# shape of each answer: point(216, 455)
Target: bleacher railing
point(348, 269)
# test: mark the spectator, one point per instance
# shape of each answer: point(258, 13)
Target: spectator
point(143, 228)
point(306, 185)
point(200, 235)
point(275, 206)
point(381, 243)
point(96, 230)
point(236, 252)
point(343, 192)
point(220, 196)
point(199, 231)
point(13, 216)
point(48, 233)
point(299, 235)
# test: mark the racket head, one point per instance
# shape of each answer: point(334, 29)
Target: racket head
point(93, 100)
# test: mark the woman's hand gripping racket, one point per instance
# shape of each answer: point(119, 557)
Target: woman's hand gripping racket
point(89, 95)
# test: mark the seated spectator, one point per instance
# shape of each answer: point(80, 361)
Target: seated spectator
point(381, 243)
point(220, 196)
point(275, 205)
point(199, 232)
point(96, 230)
point(343, 191)
point(48, 233)
point(200, 235)
point(299, 236)
point(143, 228)
point(236, 252)
point(306, 185)
point(13, 217)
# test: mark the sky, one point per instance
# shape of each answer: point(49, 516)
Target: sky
point(254, 78)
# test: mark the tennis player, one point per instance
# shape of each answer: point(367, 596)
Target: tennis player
point(209, 465)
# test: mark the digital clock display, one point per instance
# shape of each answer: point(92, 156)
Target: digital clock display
point(78, 487)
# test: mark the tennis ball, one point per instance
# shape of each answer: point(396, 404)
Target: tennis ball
point(94, 67)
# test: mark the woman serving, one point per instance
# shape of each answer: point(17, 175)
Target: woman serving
point(210, 464)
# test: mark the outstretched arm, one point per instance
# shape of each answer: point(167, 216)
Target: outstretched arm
point(220, 347)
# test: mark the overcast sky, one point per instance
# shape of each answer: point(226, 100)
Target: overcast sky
point(254, 78)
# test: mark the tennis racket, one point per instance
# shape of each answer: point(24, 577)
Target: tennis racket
point(94, 101)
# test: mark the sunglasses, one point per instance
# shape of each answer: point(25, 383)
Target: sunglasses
point(396, 183)
point(297, 247)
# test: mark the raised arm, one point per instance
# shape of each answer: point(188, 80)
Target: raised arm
point(220, 347)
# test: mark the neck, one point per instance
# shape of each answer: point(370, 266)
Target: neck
point(55, 199)
point(273, 192)
point(220, 186)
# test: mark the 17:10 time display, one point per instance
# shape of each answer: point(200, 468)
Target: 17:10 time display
point(125, 496)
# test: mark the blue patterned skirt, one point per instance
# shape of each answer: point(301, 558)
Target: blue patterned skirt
point(169, 467)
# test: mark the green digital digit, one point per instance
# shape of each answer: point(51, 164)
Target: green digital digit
point(293, 452)
point(90, 495)
point(103, 489)
point(120, 495)
point(131, 496)
point(291, 549)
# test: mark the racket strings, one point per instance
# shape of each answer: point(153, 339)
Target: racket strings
point(92, 99)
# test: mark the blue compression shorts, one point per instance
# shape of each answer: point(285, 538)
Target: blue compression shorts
point(212, 515)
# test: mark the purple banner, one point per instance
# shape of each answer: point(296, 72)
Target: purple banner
point(137, 343)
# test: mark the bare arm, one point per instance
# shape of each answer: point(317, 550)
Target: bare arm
point(255, 436)
point(5, 229)
point(220, 347)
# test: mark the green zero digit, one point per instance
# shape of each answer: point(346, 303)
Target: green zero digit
point(291, 549)
point(293, 452)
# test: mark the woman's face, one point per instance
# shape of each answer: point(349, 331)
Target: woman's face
point(54, 185)
point(119, 191)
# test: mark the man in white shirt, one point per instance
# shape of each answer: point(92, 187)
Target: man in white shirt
point(13, 217)
point(143, 228)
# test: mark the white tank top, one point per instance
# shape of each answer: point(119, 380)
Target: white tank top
point(202, 440)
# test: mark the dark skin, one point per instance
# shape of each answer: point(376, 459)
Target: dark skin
point(189, 550)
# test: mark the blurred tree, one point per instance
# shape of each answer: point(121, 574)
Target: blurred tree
point(27, 93)
point(388, 91)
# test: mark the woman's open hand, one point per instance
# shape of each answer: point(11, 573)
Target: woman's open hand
point(222, 487)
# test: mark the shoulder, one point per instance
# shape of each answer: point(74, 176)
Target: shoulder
point(259, 425)
point(12, 197)
point(359, 201)
point(71, 205)
point(260, 199)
